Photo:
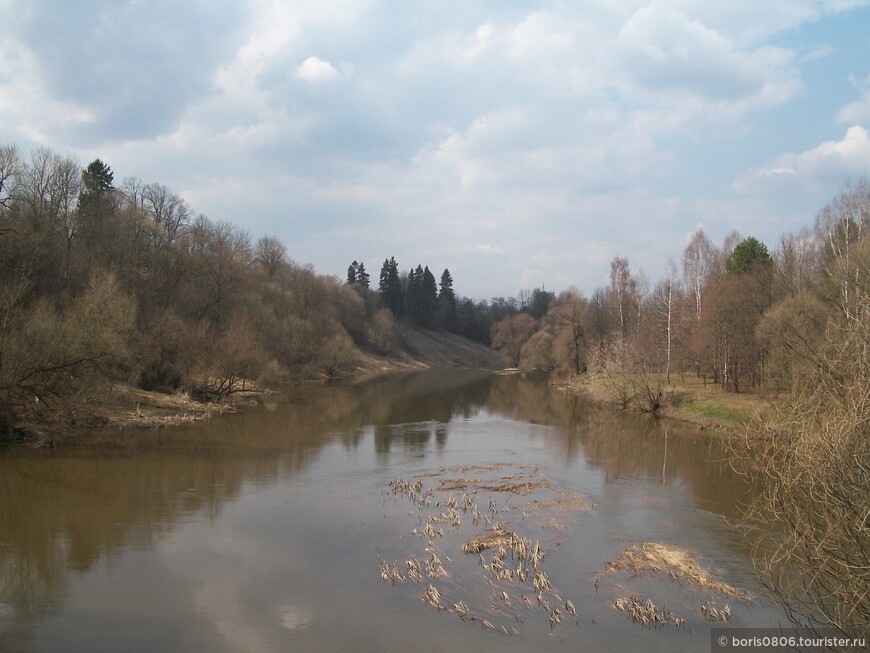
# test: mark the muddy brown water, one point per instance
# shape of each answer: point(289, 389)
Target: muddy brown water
point(267, 530)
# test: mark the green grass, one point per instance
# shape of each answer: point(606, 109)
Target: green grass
point(715, 409)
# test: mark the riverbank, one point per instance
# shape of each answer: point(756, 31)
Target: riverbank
point(108, 404)
point(686, 399)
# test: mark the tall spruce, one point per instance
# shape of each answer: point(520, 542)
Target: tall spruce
point(446, 315)
point(362, 275)
point(96, 208)
point(428, 297)
point(445, 288)
point(414, 295)
point(352, 273)
point(390, 287)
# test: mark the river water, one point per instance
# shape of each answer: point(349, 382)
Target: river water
point(268, 530)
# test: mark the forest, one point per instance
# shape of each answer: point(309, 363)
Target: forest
point(105, 283)
point(738, 315)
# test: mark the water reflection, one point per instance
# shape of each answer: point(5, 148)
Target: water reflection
point(65, 513)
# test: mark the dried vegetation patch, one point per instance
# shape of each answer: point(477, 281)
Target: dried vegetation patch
point(501, 581)
point(679, 564)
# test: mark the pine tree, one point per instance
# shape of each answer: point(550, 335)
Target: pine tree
point(390, 287)
point(445, 289)
point(446, 315)
point(414, 294)
point(428, 297)
point(96, 211)
point(362, 276)
point(97, 178)
point(352, 273)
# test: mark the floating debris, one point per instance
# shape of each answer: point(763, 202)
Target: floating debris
point(510, 566)
point(414, 570)
point(713, 613)
point(679, 564)
point(646, 613)
point(496, 537)
point(434, 567)
point(433, 597)
point(540, 581)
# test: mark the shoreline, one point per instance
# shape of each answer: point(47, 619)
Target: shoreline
point(113, 405)
point(705, 406)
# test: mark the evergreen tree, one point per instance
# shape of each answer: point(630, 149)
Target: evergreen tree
point(362, 276)
point(428, 297)
point(384, 279)
point(446, 315)
point(414, 295)
point(352, 273)
point(97, 178)
point(97, 229)
point(390, 287)
point(540, 302)
point(750, 254)
point(445, 289)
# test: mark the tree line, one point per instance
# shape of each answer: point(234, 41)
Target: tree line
point(717, 313)
point(104, 282)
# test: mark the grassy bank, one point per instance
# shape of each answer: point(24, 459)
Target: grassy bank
point(686, 398)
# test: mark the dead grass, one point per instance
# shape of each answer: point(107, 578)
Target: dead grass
point(678, 563)
point(566, 500)
point(474, 508)
point(453, 484)
point(514, 488)
point(129, 407)
point(497, 537)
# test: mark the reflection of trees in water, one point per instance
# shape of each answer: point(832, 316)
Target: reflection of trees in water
point(641, 446)
point(61, 514)
point(437, 395)
point(624, 444)
point(62, 511)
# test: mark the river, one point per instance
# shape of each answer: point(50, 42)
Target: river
point(268, 530)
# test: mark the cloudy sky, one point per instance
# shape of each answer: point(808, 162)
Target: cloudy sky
point(519, 143)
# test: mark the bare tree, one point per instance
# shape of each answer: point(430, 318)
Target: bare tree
point(623, 292)
point(797, 262)
point(663, 306)
point(841, 224)
point(133, 192)
point(696, 268)
point(510, 334)
point(10, 171)
point(169, 212)
point(270, 253)
point(814, 456)
point(568, 312)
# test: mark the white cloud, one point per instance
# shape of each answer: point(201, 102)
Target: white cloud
point(316, 70)
point(529, 128)
point(858, 111)
point(27, 106)
point(829, 164)
point(666, 53)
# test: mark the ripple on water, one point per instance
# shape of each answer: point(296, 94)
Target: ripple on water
point(295, 616)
